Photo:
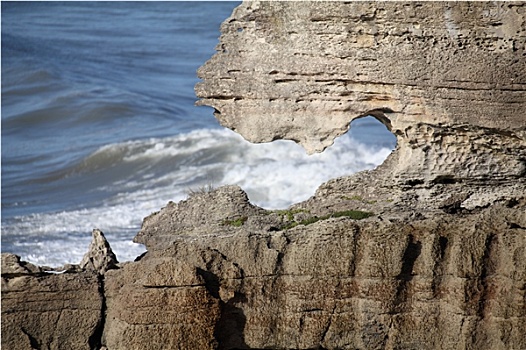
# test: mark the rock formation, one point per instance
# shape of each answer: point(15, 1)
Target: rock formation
point(304, 72)
point(49, 309)
point(449, 281)
point(100, 257)
point(428, 251)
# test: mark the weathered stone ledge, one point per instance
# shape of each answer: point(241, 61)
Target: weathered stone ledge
point(338, 281)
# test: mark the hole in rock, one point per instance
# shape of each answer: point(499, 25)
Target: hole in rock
point(371, 132)
point(278, 174)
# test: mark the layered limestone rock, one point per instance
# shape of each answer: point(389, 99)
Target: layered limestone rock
point(448, 79)
point(428, 251)
point(56, 308)
point(44, 308)
point(160, 303)
point(282, 280)
point(450, 281)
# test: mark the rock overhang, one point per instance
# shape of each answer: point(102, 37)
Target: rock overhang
point(444, 78)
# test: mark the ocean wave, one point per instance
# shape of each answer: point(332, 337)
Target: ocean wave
point(221, 156)
point(139, 177)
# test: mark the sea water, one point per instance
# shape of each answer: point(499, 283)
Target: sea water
point(99, 127)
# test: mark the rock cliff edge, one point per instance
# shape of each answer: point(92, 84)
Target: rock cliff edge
point(427, 251)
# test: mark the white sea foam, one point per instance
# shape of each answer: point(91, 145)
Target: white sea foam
point(274, 175)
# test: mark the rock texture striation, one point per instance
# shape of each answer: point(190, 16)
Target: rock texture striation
point(44, 308)
point(304, 71)
point(447, 281)
point(428, 251)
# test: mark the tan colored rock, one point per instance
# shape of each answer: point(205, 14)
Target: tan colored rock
point(450, 281)
point(100, 256)
point(49, 310)
point(13, 266)
point(160, 304)
point(304, 72)
point(448, 79)
point(195, 215)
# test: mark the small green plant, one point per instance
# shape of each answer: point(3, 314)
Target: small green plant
point(311, 220)
point(238, 222)
point(200, 190)
point(353, 214)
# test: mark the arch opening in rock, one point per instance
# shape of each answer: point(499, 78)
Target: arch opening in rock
point(278, 174)
point(379, 115)
point(372, 130)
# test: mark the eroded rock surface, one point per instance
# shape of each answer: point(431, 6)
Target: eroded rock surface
point(46, 309)
point(448, 79)
point(449, 281)
point(160, 303)
point(303, 72)
point(100, 256)
point(428, 251)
